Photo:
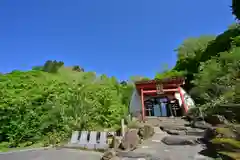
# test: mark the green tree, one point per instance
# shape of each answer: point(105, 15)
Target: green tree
point(37, 68)
point(189, 55)
point(52, 66)
point(236, 8)
point(138, 78)
point(78, 69)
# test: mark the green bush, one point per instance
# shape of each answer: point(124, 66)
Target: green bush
point(36, 104)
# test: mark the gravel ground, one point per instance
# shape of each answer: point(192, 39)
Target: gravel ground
point(51, 154)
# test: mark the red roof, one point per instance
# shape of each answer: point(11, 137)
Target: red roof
point(173, 80)
point(167, 83)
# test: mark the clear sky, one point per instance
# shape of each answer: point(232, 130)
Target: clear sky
point(117, 37)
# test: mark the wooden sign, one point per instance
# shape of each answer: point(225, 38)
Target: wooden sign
point(159, 89)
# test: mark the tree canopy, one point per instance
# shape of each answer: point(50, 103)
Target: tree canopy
point(236, 8)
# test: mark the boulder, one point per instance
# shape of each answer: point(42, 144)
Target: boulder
point(179, 140)
point(116, 142)
point(209, 134)
point(216, 120)
point(193, 114)
point(130, 140)
point(200, 124)
point(146, 131)
point(108, 155)
point(219, 133)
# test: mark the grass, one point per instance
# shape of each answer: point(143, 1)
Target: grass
point(4, 147)
point(233, 155)
point(231, 146)
point(230, 141)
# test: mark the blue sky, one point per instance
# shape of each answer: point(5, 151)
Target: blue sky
point(117, 37)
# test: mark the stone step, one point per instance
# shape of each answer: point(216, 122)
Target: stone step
point(157, 130)
point(166, 121)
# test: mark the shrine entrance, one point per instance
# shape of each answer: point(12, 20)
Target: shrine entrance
point(158, 97)
point(162, 107)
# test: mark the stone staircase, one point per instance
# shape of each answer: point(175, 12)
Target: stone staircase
point(163, 121)
point(174, 126)
point(155, 149)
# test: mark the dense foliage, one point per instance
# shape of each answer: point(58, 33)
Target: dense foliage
point(211, 65)
point(36, 104)
point(236, 8)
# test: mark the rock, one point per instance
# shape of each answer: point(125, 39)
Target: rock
point(193, 114)
point(200, 157)
point(146, 132)
point(130, 140)
point(209, 134)
point(200, 124)
point(115, 158)
point(236, 130)
point(176, 132)
point(134, 155)
point(187, 118)
point(134, 124)
point(172, 127)
point(219, 132)
point(195, 132)
point(225, 133)
point(179, 140)
point(190, 118)
point(216, 119)
point(108, 155)
point(116, 142)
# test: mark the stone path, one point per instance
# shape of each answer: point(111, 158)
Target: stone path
point(154, 149)
point(51, 154)
point(151, 149)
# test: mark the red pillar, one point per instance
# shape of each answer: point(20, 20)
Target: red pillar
point(183, 102)
point(143, 107)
